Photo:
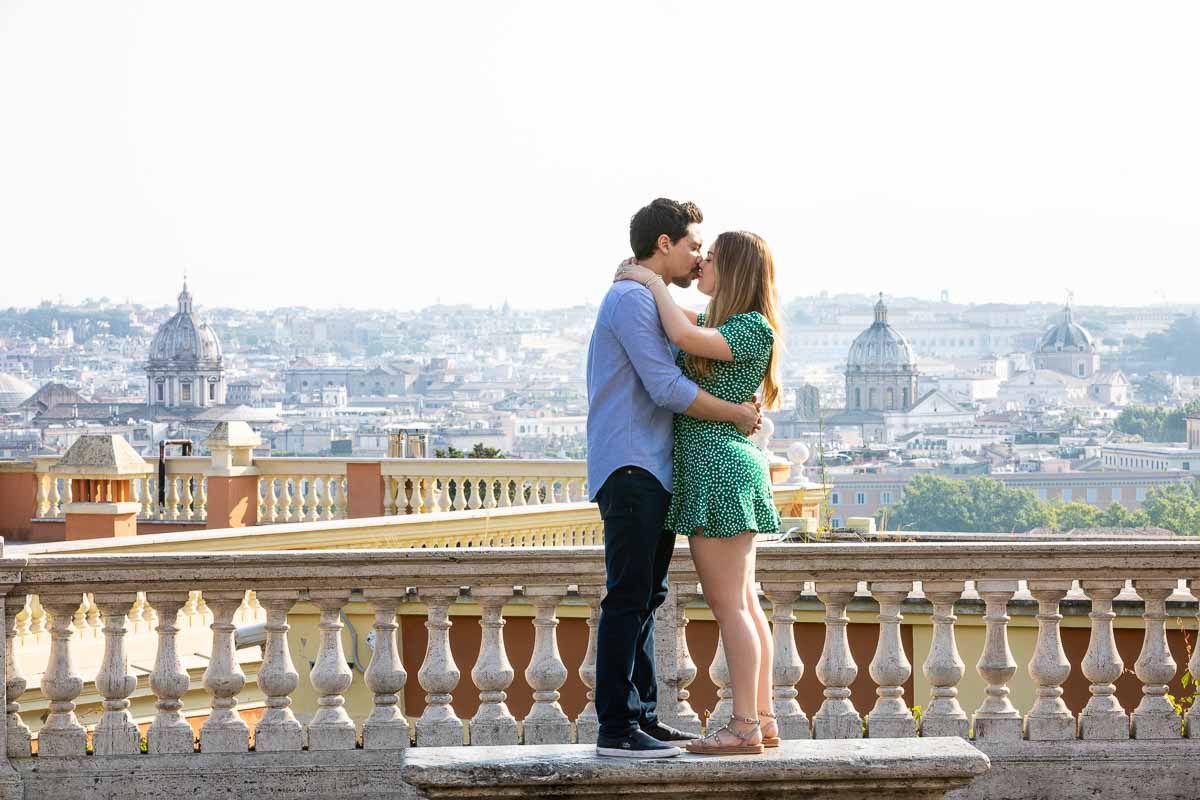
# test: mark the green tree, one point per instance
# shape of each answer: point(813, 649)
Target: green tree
point(478, 451)
point(933, 503)
point(1069, 516)
point(1175, 507)
point(1118, 516)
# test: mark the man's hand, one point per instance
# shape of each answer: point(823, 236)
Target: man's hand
point(749, 418)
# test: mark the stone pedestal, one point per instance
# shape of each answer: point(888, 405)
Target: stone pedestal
point(232, 477)
point(100, 469)
point(364, 490)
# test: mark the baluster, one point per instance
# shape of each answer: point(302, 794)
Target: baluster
point(718, 673)
point(943, 667)
point(61, 735)
point(890, 668)
point(439, 726)
point(535, 492)
point(312, 499)
point(188, 500)
point(1049, 718)
point(42, 501)
point(14, 682)
point(520, 493)
point(546, 722)
point(322, 497)
point(278, 729)
point(146, 488)
point(506, 493)
point(407, 498)
point(1155, 717)
point(37, 616)
point(997, 718)
point(489, 493)
point(170, 731)
point(476, 502)
point(331, 727)
point(55, 507)
point(587, 724)
point(115, 733)
point(159, 509)
point(224, 731)
point(837, 718)
point(201, 505)
point(284, 501)
point(683, 715)
point(431, 496)
point(269, 507)
point(389, 495)
point(172, 497)
point(386, 728)
point(1103, 717)
point(492, 673)
point(459, 501)
point(788, 669)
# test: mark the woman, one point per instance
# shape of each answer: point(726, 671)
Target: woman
point(722, 494)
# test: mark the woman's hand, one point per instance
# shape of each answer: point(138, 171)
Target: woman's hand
point(632, 271)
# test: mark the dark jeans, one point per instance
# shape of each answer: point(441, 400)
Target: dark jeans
point(637, 555)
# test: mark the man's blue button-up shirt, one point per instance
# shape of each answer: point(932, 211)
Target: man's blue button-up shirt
point(634, 387)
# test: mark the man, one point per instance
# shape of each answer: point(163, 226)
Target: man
point(634, 387)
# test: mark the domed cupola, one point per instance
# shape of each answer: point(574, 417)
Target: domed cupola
point(1067, 347)
point(881, 370)
point(185, 366)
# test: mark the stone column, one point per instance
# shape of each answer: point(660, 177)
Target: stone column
point(116, 733)
point(837, 717)
point(890, 668)
point(386, 728)
point(1155, 717)
point(493, 723)
point(788, 669)
point(18, 735)
point(1103, 717)
point(170, 731)
point(943, 667)
point(587, 726)
point(546, 722)
point(224, 731)
point(331, 727)
point(278, 729)
point(997, 718)
point(1049, 719)
point(439, 726)
point(62, 734)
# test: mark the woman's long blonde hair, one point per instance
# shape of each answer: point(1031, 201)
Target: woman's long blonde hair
point(745, 282)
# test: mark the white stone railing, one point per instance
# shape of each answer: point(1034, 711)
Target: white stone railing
point(443, 484)
point(302, 489)
point(891, 574)
point(185, 497)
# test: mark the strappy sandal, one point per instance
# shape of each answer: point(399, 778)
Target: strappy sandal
point(712, 745)
point(769, 741)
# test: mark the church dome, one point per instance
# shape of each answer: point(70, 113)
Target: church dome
point(184, 338)
point(1066, 335)
point(13, 392)
point(880, 348)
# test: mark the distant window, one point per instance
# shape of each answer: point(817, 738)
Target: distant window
point(835, 499)
point(1066, 495)
point(858, 398)
point(1187, 465)
point(212, 391)
point(885, 497)
point(159, 390)
point(836, 522)
point(186, 391)
point(860, 498)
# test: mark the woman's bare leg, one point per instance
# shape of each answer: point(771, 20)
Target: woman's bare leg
point(723, 566)
point(766, 647)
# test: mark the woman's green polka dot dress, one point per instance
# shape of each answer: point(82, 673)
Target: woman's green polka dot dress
point(722, 482)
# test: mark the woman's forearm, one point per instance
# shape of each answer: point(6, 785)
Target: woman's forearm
point(674, 321)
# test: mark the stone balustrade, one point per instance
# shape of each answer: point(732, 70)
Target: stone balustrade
point(416, 486)
point(90, 592)
point(301, 489)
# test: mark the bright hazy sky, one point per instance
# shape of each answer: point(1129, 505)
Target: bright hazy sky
point(390, 154)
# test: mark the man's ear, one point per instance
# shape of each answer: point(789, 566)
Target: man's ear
point(664, 243)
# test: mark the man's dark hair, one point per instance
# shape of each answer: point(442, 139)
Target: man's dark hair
point(661, 216)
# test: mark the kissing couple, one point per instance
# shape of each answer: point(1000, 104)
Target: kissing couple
point(669, 455)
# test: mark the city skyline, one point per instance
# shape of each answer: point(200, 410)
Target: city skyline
point(391, 151)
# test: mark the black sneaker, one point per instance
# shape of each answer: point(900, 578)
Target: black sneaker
point(635, 745)
point(665, 733)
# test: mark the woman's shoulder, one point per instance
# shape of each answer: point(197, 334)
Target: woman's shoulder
point(753, 320)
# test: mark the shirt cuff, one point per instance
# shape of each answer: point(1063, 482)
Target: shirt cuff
point(683, 395)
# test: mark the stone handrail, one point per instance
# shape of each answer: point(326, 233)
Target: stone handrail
point(302, 489)
point(455, 484)
point(436, 578)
